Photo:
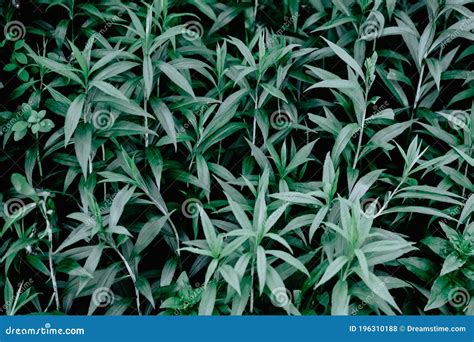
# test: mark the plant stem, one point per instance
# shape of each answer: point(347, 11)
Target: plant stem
point(105, 183)
point(359, 143)
point(40, 167)
point(132, 276)
point(418, 90)
point(50, 253)
point(392, 194)
point(145, 105)
point(18, 293)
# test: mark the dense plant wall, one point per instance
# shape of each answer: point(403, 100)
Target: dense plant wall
point(237, 157)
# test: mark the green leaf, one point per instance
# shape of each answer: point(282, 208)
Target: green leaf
point(297, 197)
point(165, 117)
point(261, 267)
point(375, 284)
point(244, 50)
point(58, 68)
point(206, 306)
point(364, 184)
point(363, 263)
point(275, 92)
point(17, 246)
point(21, 185)
point(467, 210)
point(149, 232)
point(148, 75)
point(118, 204)
point(209, 231)
point(440, 293)
point(342, 54)
point(239, 214)
point(83, 146)
point(291, 260)
point(145, 289)
point(420, 210)
point(108, 89)
point(168, 272)
point(452, 263)
point(333, 267)
point(73, 116)
point(342, 140)
point(230, 276)
point(340, 299)
point(174, 75)
point(318, 219)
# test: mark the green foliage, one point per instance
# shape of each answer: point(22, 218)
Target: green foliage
point(203, 157)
